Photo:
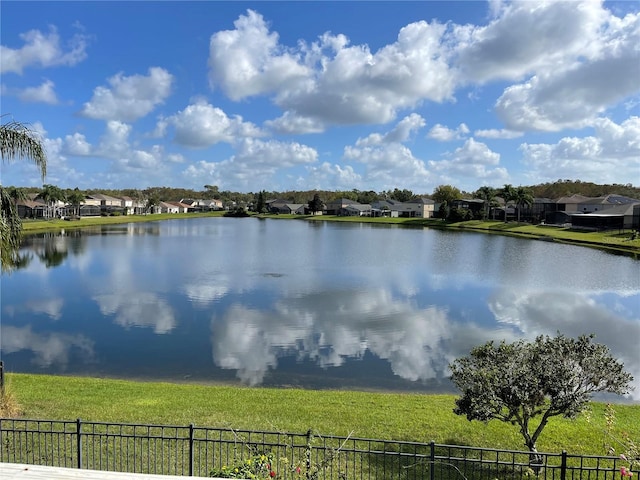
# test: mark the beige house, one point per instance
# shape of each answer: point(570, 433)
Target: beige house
point(571, 203)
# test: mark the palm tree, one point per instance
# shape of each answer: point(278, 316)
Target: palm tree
point(522, 196)
point(487, 194)
point(16, 194)
point(51, 194)
point(75, 197)
point(508, 193)
point(16, 141)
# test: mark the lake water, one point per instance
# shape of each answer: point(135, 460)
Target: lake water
point(305, 304)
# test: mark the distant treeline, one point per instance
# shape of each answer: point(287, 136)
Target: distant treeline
point(557, 189)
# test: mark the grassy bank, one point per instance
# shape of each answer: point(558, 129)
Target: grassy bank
point(415, 417)
point(613, 241)
point(37, 226)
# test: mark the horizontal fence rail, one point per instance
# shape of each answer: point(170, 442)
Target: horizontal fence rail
point(200, 451)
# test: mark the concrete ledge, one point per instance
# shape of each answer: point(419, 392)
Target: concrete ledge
point(21, 471)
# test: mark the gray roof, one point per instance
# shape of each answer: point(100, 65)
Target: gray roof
point(611, 199)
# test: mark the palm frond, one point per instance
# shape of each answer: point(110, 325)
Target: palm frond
point(18, 141)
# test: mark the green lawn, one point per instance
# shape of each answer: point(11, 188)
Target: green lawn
point(35, 226)
point(391, 416)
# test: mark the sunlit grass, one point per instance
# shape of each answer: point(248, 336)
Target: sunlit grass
point(392, 416)
point(40, 225)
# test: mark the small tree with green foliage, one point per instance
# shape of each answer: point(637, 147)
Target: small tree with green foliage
point(446, 193)
point(261, 205)
point(315, 205)
point(488, 195)
point(517, 382)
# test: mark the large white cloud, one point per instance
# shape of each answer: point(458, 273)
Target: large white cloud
point(472, 162)
point(42, 50)
point(601, 158)
point(329, 81)
point(338, 176)
point(201, 125)
point(573, 93)
point(528, 36)
point(253, 159)
point(129, 98)
point(386, 158)
point(248, 60)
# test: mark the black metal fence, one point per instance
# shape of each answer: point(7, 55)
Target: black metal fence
point(200, 451)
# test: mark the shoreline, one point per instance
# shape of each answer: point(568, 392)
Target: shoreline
point(615, 242)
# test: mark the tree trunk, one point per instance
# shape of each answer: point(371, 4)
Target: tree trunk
point(536, 461)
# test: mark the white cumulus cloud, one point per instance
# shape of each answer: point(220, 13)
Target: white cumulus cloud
point(201, 125)
point(129, 98)
point(330, 81)
point(42, 50)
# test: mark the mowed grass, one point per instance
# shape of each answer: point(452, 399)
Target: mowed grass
point(40, 225)
point(390, 416)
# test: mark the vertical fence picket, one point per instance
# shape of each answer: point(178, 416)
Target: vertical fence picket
point(432, 460)
point(79, 442)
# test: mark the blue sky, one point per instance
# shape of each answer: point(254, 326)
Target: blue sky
point(324, 95)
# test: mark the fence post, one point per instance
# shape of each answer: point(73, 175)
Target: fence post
point(191, 449)
point(432, 460)
point(1, 377)
point(79, 441)
point(563, 466)
point(307, 453)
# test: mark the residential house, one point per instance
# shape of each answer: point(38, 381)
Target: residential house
point(475, 205)
point(335, 206)
point(211, 205)
point(168, 207)
point(383, 208)
point(421, 207)
point(275, 205)
point(131, 206)
point(175, 207)
point(356, 210)
point(31, 208)
point(619, 211)
point(282, 206)
point(619, 217)
point(570, 204)
point(598, 204)
point(607, 212)
point(107, 203)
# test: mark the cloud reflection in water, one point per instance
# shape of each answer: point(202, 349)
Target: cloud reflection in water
point(48, 348)
point(329, 327)
point(138, 309)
